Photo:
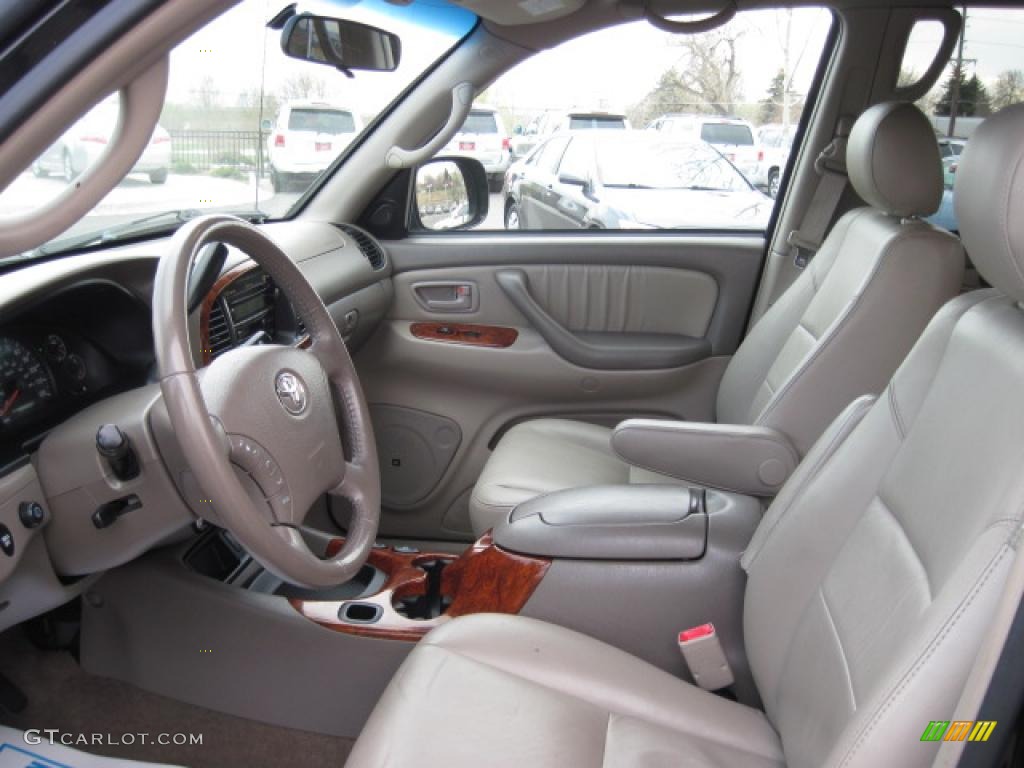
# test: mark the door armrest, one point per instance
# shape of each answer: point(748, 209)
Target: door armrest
point(754, 461)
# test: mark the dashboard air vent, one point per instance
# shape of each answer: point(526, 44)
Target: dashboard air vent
point(219, 333)
point(370, 248)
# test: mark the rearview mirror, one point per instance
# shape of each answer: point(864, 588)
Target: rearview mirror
point(340, 43)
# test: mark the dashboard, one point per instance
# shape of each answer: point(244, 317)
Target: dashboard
point(64, 353)
point(90, 337)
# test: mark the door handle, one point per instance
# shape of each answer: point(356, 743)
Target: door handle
point(447, 296)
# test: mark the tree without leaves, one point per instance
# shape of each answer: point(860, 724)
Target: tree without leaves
point(705, 80)
point(303, 86)
point(1008, 89)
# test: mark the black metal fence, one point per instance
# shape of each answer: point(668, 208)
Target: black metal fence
point(201, 151)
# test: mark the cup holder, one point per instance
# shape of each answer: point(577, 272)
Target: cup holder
point(360, 613)
point(431, 603)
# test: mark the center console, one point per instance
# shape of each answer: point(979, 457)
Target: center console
point(200, 621)
point(631, 565)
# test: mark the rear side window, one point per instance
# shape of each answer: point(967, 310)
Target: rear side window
point(480, 122)
point(585, 123)
point(321, 121)
point(551, 154)
point(577, 159)
point(984, 75)
point(727, 133)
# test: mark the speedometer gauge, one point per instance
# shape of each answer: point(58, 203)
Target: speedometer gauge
point(25, 383)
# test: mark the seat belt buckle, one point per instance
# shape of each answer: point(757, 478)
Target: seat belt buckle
point(703, 654)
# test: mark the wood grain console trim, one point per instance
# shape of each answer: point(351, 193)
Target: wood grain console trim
point(483, 579)
point(225, 280)
point(494, 336)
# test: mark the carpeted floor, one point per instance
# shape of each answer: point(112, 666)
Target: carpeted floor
point(64, 697)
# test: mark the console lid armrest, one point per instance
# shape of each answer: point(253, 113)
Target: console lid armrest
point(754, 461)
point(610, 522)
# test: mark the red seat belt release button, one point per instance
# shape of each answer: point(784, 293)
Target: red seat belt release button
point(704, 656)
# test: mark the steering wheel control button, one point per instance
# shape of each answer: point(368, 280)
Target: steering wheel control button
point(114, 445)
point(107, 514)
point(251, 456)
point(291, 392)
point(6, 540)
point(31, 514)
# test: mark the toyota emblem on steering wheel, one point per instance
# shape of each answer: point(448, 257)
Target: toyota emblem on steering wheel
point(291, 392)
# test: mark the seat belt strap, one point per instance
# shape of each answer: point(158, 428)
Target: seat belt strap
point(830, 166)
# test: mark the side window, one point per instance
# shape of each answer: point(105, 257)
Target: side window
point(984, 75)
point(550, 155)
point(577, 160)
point(675, 117)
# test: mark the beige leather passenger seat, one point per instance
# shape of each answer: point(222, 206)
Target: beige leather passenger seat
point(837, 333)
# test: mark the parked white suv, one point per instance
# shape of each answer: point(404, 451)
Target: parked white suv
point(732, 137)
point(483, 137)
point(306, 138)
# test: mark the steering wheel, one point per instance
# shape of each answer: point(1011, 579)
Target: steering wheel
point(259, 426)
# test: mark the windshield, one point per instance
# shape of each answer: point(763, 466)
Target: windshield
point(587, 122)
point(244, 128)
point(733, 134)
point(480, 122)
point(652, 164)
point(331, 121)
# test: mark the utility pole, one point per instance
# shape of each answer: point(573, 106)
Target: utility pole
point(786, 76)
point(958, 73)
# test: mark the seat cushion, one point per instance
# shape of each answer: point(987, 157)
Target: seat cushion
point(510, 691)
point(545, 455)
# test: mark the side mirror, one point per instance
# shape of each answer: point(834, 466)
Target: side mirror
point(585, 185)
point(266, 125)
point(340, 43)
point(518, 130)
point(448, 193)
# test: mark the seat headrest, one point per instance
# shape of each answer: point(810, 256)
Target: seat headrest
point(892, 158)
point(989, 200)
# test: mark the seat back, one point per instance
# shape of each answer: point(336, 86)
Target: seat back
point(848, 321)
point(877, 569)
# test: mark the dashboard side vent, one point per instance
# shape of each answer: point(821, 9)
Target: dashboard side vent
point(371, 248)
point(219, 332)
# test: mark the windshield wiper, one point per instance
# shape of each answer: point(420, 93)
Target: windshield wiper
point(147, 225)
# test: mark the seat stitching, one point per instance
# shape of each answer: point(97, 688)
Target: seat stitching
point(533, 681)
point(894, 409)
point(842, 651)
point(930, 649)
